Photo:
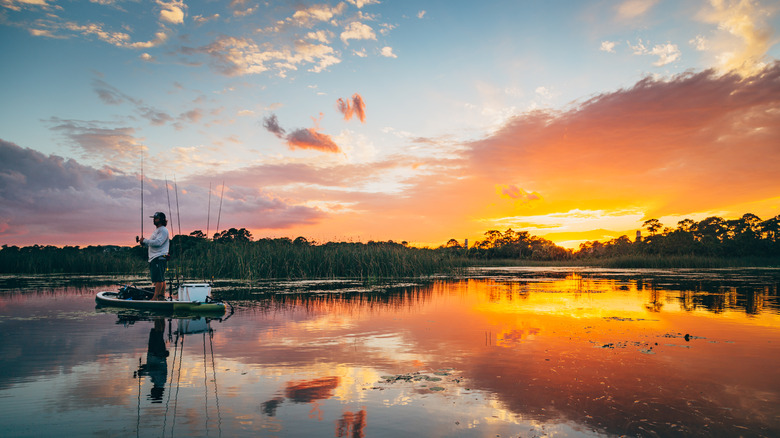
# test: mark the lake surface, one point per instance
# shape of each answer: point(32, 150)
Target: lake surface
point(511, 352)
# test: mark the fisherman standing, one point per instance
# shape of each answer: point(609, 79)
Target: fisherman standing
point(158, 244)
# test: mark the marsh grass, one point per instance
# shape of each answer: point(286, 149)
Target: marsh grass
point(274, 259)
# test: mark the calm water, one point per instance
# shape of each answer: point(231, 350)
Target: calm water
point(505, 352)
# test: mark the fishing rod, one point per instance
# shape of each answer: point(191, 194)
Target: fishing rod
point(168, 193)
point(170, 214)
point(178, 213)
point(220, 204)
point(142, 195)
point(208, 214)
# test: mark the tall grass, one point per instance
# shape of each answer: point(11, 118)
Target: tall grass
point(52, 260)
point(260, 260)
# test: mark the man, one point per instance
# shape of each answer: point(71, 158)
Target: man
point(158, 244)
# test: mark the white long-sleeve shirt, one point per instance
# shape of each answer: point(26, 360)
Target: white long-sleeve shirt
point(158, 243)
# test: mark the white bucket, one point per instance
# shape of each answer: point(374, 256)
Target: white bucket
point(194, 292)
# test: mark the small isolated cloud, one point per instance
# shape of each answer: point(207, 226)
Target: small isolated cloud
point(303, 138)
point(200, 19)
point(421, 14)
point(354, 107)
point(519, 195)
point(310, 138)
point(700, 43)
point(631, 9)
point(146, 57)
point(357, 31)
point(361, 3)
point(172, 12)
point(387, 52)
point(666, 53)
point(608, 46)
point(317, 13)
point(322, 36)
point(272, 125)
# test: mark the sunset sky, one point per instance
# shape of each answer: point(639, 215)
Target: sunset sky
point(416, 121)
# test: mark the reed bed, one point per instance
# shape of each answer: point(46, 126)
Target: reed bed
point(272, 259)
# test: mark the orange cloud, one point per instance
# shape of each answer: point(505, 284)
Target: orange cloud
point(301, 138)
point(311, 139)
point(356, 107)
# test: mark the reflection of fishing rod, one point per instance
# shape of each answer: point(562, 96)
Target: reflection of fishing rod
point(142, 197)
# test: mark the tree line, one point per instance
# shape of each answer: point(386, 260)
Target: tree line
point(234, 253)
point(748, 236)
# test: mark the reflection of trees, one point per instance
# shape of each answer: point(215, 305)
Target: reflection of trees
point(656, 302)
point(351, 422)
point(322, 300)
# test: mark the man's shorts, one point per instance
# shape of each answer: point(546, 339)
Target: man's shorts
point(157, 267)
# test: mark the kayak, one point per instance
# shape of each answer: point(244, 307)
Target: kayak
point(192, 298)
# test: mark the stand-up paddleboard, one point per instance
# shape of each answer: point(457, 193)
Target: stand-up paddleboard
point(192, 297)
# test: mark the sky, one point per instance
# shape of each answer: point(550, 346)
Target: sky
point(357, 120)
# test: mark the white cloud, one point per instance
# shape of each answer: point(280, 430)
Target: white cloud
point(608, 46)
point(361, 3)
point(305, 17)
point(202, 19)
point(744, 37)
point(146, 57)
point(172, 12)
point(699, 42)
point(322, 36)
point(387, 52)
point(631, 9)
point(421, 14)
point(357, 31)
point(17, 5)
point(666, 53)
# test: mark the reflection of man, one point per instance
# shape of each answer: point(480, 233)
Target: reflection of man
point(158, 244)
point(156, 366)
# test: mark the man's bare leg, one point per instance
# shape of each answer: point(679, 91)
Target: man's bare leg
point(159, 291)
